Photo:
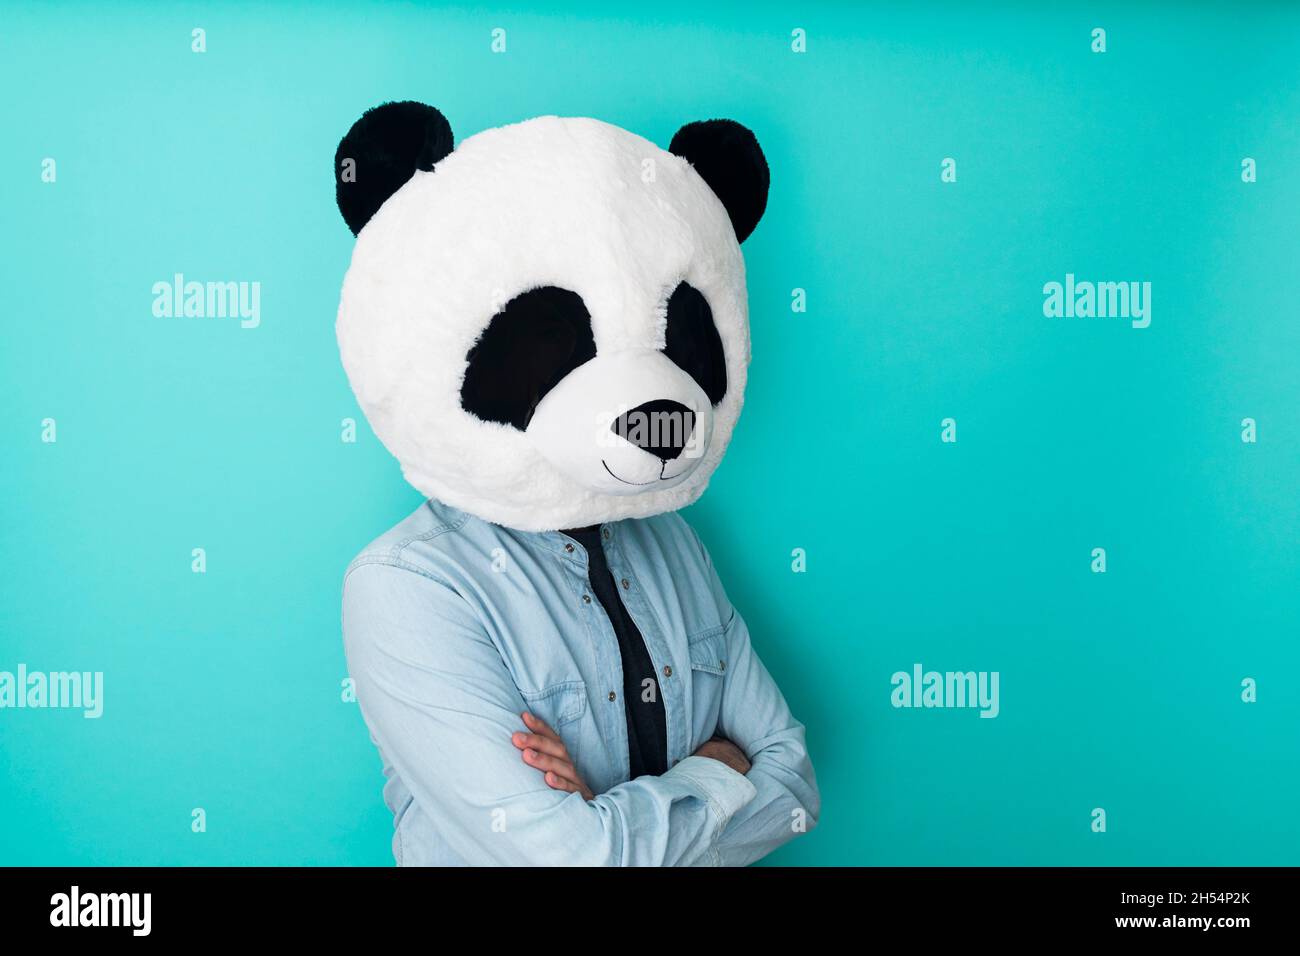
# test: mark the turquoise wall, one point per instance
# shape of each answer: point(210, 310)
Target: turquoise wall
point(1119, 690)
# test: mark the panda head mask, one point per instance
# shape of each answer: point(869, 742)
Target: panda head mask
point(547, 325)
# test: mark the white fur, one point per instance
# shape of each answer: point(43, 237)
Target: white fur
point(551, 201)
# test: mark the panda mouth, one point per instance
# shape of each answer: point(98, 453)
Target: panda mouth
point(662, 476)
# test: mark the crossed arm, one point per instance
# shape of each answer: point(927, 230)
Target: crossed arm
point(443, 710)
point(542, 749)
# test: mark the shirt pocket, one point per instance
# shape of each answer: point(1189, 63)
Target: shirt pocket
point(708, 656)
point(558, 704)
point(562, 706)
point(708, 651)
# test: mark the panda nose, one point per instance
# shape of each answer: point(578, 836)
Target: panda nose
point(661, 427)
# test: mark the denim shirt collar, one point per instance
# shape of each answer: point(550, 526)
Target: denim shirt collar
point(555, 541)
point(570, 548)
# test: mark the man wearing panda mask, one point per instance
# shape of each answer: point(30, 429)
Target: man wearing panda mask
point(548, 328)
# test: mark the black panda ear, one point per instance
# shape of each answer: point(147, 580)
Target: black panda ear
point(729, 159)
point(381, 152)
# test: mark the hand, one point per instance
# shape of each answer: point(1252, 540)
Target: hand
point(543, 750)
point(721, 749)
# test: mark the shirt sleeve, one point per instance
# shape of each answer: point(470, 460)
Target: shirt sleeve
point(441, 705)
point(755, 717)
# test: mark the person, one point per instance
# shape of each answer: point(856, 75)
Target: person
point(543, 652)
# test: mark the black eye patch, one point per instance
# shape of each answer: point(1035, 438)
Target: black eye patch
point(538, 338)
point(693, 343)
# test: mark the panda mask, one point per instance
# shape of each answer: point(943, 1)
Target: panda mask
point(547, 326)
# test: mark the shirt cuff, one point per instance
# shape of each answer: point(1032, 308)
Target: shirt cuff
point(725, 789)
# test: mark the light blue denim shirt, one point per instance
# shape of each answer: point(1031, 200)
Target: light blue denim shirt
point(453, 626)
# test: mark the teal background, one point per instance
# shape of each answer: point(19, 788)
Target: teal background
point(1118, 690)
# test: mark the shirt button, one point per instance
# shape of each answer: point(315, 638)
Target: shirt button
point(613, 696)
point(668, 670)
point(722, 665)
point(626, 584)
point(586, 599)
point(605, 533)
point(569, 548)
